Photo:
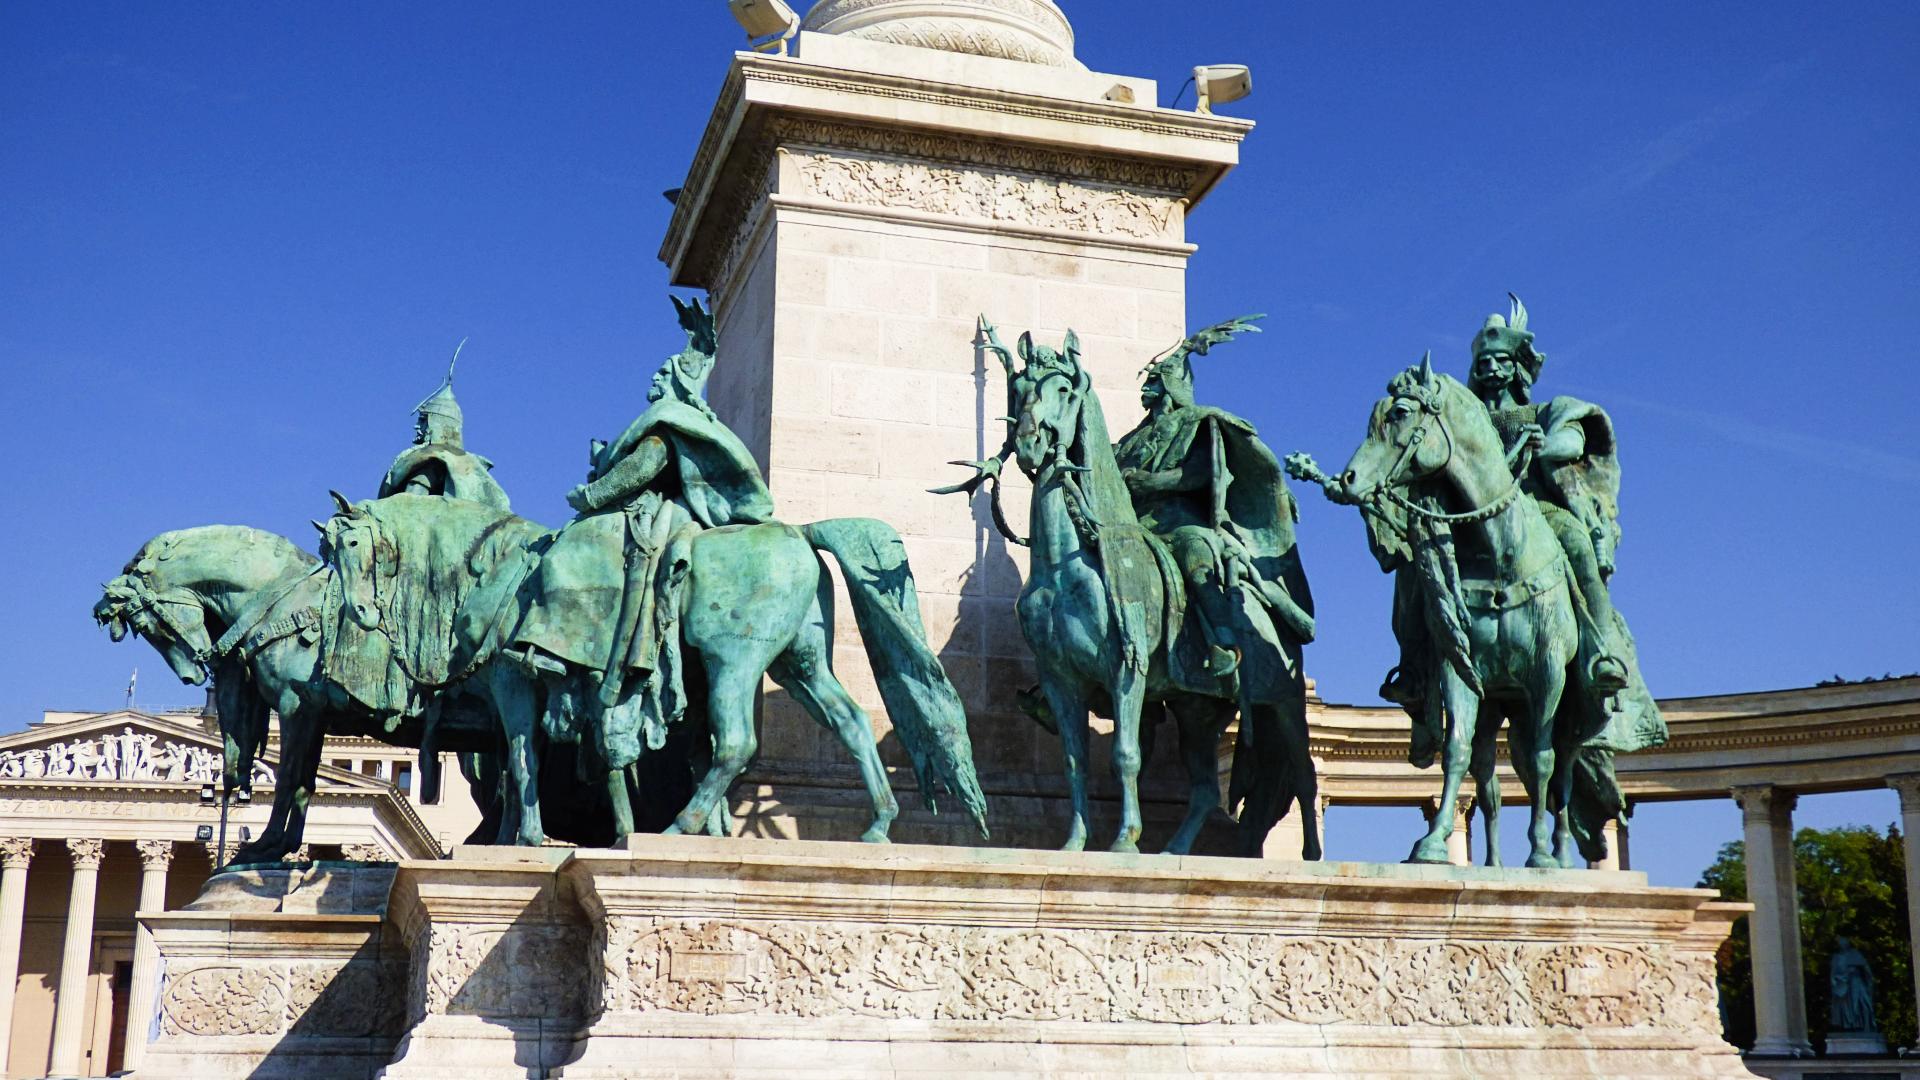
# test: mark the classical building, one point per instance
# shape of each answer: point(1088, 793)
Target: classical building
point(103, 814)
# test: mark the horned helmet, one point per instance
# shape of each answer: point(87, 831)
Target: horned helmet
point(439, 416)
point(1170, 376)
point(684, 375)
point(1504, 357)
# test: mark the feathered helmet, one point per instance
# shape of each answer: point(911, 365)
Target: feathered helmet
point(1510, 337)
point(441, 405)
point(1173, 370)
point(690, 368)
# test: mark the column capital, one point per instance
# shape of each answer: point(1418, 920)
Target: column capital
point(1462, 805)
point(364, 853)
point(1908, 785)
point(155, 854)
point(86, 853)
point(1760, 802)
point(16, 850)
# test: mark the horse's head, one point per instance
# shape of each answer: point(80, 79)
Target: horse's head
point(350, 543)
point(1048, 394)
point(142, 602)
point(1408, 437)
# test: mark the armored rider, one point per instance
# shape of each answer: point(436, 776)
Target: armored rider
point(1202, 480)
point(605, 600)
point(438, 462)
point(1573, 473)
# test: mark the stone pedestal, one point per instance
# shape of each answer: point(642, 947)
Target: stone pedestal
point(852, 210)
point(277, 975)
point(688, 956)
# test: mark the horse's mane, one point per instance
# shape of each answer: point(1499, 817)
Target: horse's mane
point(1103, 485)
point(163, 545)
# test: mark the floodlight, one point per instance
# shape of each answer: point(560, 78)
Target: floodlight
point(1221, 83)
point(769, 24)
point(203, 833)
point(206, 793)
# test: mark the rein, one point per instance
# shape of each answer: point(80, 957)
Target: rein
point(1430, 413)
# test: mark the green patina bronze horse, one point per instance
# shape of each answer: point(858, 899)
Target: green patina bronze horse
point(1105, 610)
point(255, 613)
point(757, 601)
point(1436, 484)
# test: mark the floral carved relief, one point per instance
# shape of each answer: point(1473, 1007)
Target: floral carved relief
point(989, 196)
point(708, 967)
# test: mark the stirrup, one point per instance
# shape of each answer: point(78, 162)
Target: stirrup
point(1222, 662)
point(1607, 674)
point(1399, 689)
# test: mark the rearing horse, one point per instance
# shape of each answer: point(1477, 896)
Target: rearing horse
point(1499, 596)
point(1102, 608)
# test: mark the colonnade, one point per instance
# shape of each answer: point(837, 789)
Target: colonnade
point(76, 954)
point(1779, 990)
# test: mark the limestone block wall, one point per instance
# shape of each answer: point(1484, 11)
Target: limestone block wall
point(848, 312)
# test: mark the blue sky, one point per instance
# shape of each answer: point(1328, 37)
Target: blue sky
point(238, 241)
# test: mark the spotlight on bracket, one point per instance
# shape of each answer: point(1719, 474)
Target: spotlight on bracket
point(769, 24)
point(1221, 83)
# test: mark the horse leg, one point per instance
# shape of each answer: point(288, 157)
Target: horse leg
point(1486, 780)
point(1544, 703)
point(1198, 721)
point(813, 684)
point(1070, 712)
point(730, 686)
point(1462, 710)
point(513, 702)
point(1129, 699)
point(302, 735)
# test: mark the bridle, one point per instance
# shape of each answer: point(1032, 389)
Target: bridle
point(1431, 414)
point(146, 599)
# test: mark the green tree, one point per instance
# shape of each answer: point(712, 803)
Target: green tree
point(1852, 883)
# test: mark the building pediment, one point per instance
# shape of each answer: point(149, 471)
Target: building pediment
point(129, 746)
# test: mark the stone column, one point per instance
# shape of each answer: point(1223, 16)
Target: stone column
point(1769, 889)
point(1460, 840)
point(15, 853)
point(70, 997)
point(1780, 829)
point(1908, 786)
point(155, 857)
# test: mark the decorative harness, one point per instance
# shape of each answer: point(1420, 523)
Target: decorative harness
point(1486, 597)
point(1430, 413)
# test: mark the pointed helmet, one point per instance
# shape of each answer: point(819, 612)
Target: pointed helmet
point(440, 416)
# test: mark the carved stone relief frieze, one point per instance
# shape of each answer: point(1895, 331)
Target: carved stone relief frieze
point(351, 998)
point(129, 755)
point(995, 196)
point(503, 971)
point(708, 967)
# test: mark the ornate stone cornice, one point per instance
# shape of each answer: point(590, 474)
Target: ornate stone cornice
point(16, 851)
point(155, 854)
point(86, 853)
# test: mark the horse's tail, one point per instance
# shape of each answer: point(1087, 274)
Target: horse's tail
point(921, 702)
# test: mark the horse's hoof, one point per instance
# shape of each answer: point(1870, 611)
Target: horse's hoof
point(1538, 861)
point(1125, 847)
point(875, 836)
point(1430, 852)
point(1074, 843)
point(673, 830)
